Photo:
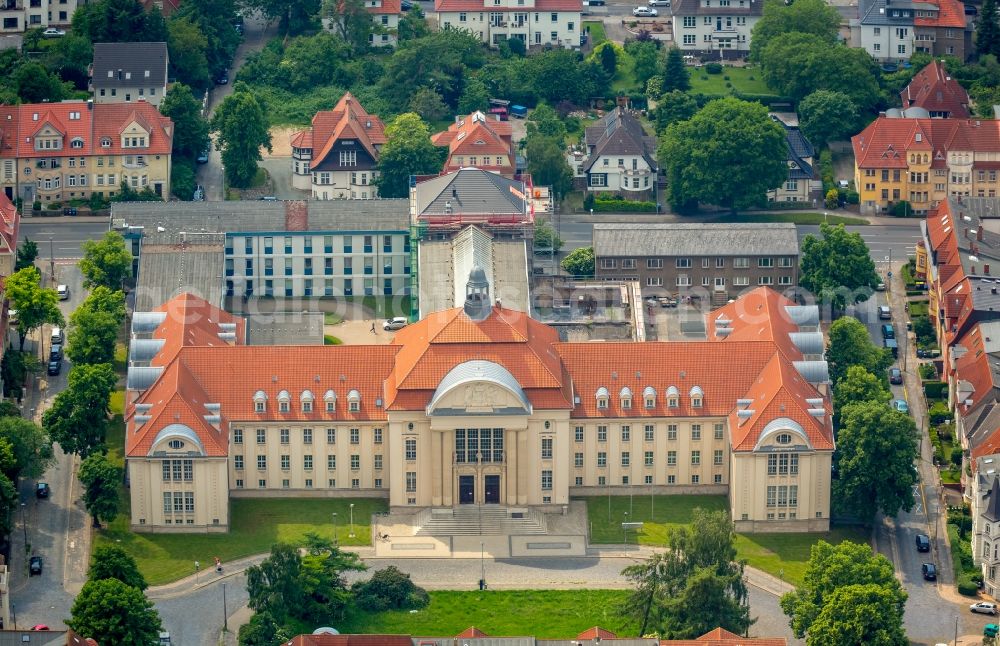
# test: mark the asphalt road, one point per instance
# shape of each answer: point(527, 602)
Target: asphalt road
point(52, 526)
point(66, 234)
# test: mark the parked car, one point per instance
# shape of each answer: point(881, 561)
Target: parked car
point(901, 406)
point(880, 287)
point(203, 156)
point(884, 313)
point(659, 3)
point(63, 291)
point(405, 5)
point(39, 627)
point(923, 543)
point(929, 571)
point(891, 346)
point(895, 376)
point(644, 12)
point(984, 608)
point(223, 78)
point(888, 332)
point(42, 490)
point(199, 194)
point(595, 3)
point(56, 352)
point(70, 210)
point(52, 32)
point(55, 367)
point(397, 323)
point(34, 565)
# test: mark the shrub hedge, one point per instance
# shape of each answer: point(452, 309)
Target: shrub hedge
point(935, 389)
point(623, 206)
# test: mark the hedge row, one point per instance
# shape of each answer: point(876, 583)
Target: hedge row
point(623, 206)
point(935, 389)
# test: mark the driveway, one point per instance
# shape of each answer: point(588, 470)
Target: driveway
point(280, 170)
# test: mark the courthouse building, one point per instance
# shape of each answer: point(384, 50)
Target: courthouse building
point(479, 405)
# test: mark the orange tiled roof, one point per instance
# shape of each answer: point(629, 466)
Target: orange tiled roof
point(935, 90)
point(595, 632)
point(347, 120)
point(951, 13)
point(722, 637)
point(351, 640)
point(10, 221)
point(758, 315)
point(88, 123)
point(886, 142)
point(471, 631)
point(387, 6)
point(480, 136)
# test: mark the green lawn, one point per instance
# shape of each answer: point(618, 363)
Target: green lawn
point(256, 525)
point(918, 308)
point(546, 614)
point(797, 218)
point(747, 80)
point(783, 555)
point(596, 29)
point(386, 306)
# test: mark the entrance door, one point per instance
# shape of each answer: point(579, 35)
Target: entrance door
point(492, 490)
point(466, 490)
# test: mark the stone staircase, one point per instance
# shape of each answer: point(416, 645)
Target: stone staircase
point(481, 520)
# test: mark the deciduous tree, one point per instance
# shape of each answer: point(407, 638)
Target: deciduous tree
point(672, 107)
point(579, 262)
point(389, 589)
point(547, 164)
point(294, 16)
point(859, 385)
point(94, 327)
point(407, 151)
point(827, 116)
point(113, 562)
point(849, 345)
point(876, 448)
point(78, 417)
point(729, 153)
point(805, 16)
point(475, 96)
point(31, 447)
point(100, 478)
point(350, 20)
point(190, 129)
point(242, 130)
point(797, 64)
point(35, 305)
point(836, 595)
point(189, 60)
point(546, 237)
point(428, 104)
point(837, 267)
point(35, 84)
point(106, 262)
point(645, 59)
point(26, 254)
point(119, 613)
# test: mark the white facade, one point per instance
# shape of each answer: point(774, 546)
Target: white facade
point(528, 20)
point(389, 24)
point(17, 16)
point(887, 42)
point(716, 25)
point(344, 185)
point(627, 174)
point(985, 524)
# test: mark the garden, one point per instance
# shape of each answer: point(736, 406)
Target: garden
point(968, 577)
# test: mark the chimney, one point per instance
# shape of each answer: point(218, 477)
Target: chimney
point(967, 233)
point(90, 104)
point(979, 233)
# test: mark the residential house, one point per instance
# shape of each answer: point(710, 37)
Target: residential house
point(803, 183)
point(534, 22)
point(924, 161)
point(125, 72)
point(385, 15)
point(10, 224)
point(713, 28)
point(209, 418)
point(55, 152)
point(985, 508)
point(337, 157)
point(472, 636)
point(892, 30)
point(618, 157)
point(18, 16)
point(472, 196)
point(721, 261)
point(478, 141)
point(43, 638)
point(166, 7)
point(934, 90)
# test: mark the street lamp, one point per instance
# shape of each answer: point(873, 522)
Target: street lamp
point(225, 613)
point(351, 535)
point(24, 525)
point(482, 565)
point(335, 540)
point(625, 528)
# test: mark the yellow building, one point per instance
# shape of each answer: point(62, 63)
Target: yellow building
point(925, 161)
point(56, 152)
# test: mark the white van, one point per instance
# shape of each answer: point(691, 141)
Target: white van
point(57, 336)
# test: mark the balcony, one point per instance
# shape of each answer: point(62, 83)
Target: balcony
point(138, 163)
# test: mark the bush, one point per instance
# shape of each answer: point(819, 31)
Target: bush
point(852, 197)
point(725, 78)
point(946, 431)
point(623, 206)
point(927, 371)
point(956, 456)
point(934, 389)
point(54, 206)
point(389, 589)
point(713, 68)
point(902, 209)
point(939, 413)
point(966, 585)
point(36, 205)
point(588, 201)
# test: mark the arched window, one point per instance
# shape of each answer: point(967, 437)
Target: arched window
point(354, 401)
point(330, 399)
point(649, 397)
point(673, 397)
point(259, 402)
point(625, 397)
point(284, 401)
point(306, 399)
point(602, 398)
point(697, 396)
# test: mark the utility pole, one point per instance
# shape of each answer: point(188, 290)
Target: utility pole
point(52, 262)
point(225, 614)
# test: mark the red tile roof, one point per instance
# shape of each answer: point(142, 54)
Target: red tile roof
point(597, 631)
point(933, 89)
point(471, 631)
point(758, 315)
point(481, 5)
point(10, 222)
point(350, 640)
point(480, 136)
point(722, 637)
point(347, 120)
point(75, 120)
point(886, 142)
point(387, 6)
point(951, 13)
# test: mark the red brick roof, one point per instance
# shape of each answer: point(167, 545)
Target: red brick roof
point(758, 315)
point(886, 142)
point(10, 221)
point(74, 120)
point(951, 13)
point(471, 631)
point(347, 120)
point(386, 6)
point(933, 89)
point(481, 5)
point(597, 631)
point(350, 640)
point(480, 136)
point(722, 637)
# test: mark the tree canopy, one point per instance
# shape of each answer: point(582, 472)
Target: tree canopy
point(113, 562)
point(837, 268)
point(798, 64)
point(94, 326)
point(78, 417)
point(827, 116)
point(31, 447)
point(805, 16)
point(579, 262)
point(849, 596)
point(35, 305)
point(190, 129)
point(859, 385)
point(675, 74)
point(100, 478)
point(988, 30)
point(118, 613)
point(106, 262)
point(26, 254)
point(407, 151)
point(547, 164)
point(876, 448)
point(242, 130)
point(849, 345)
point(730, 153)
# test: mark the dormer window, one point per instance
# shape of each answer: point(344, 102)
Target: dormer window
point(673, 397)
point(330, 399)
point(602, 398)
point(259, 402)
point(625, 397)
point(105, 142)
point(696, 397)
point(783, 438)
point(649, 397)
point(76, 142)
point(307, 401)
point(175, 444)
point(284, 402)
point(354, 401)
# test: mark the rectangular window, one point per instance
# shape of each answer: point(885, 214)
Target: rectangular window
point(284, 436)
point(626, 434)
point(307, 436)
point(331, 436)
point(378, 461)
point(238, 462)
point(331, 462)
point(696, 431)
point(718, 431)
point(377, 436)
point(355, 461)
point(286, 463)
point(546, 448)
point(602, 459)
point(626, 458)
point(238, 436)
point(411, 481)
point(578, 459)
point(411, 449)
point(546, 480)
point(578, 434)
point(648, 458)
point(671, 431)
point(261, 437)
point(307, 462)
point(602, 433)
point(717, 457)
point(671, 479)
point(648, 432)
point(671, 458)
point(355, 436)
point(696, 457)
point(261, 462)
